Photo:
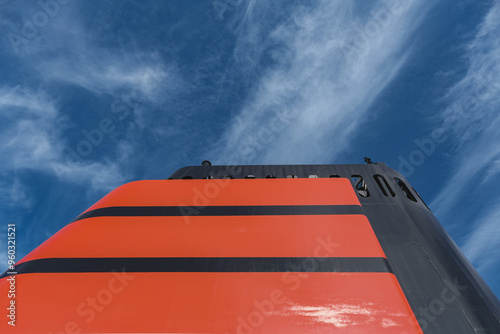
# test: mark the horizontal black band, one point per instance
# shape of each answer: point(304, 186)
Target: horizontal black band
point(133, 211)
point(204, 264)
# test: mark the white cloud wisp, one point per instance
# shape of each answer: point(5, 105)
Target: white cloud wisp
point(331, 63)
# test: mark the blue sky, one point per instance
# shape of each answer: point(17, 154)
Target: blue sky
point(94, 94)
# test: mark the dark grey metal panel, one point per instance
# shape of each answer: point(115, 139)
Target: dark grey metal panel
point(445, 292)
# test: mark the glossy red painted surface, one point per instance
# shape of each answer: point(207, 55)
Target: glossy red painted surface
point(206, 302)
point(211, 303)
point(231, 192)
point(227, 236)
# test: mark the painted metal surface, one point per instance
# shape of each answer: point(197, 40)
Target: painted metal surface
point(214, 256)
point(446, 293)
point(254, 249)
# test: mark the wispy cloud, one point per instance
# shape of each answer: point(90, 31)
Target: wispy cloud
point(483, 243)
point(109, 73)
point(32, 140)
point(14, 193)
point(69, 50)
point(472, 115)
point(329, 63)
